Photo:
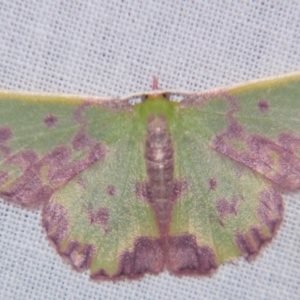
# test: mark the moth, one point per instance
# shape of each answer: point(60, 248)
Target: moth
point(129, 188)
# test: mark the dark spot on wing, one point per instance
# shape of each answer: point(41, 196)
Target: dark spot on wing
point(81, 141)
point(55, 221)
point(41, 177)
point(270, 213)
point(98, 216)
point(276, 160)
point(55, 160)
point(250, 243)
point(264, 156)
point(78, 113)
point(69, 170)
point(186, 257)
point(263, 106)
point(234, 131)
point(146, 257)
point(28, 190)
point(290, 143)
point(179, 188)
point(50, 121)
point(226, 208)
point(23, 159)
point(270, 209)
point(111, 190)
point(101, 275)
point(79, 255)
point(212, 183)
point(143, 191)
point(260, 158)
point(5, 134)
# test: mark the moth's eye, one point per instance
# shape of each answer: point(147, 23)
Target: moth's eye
point(166, 96)
point(144, 98)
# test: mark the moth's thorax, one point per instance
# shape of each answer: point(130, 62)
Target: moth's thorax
point(159, 156)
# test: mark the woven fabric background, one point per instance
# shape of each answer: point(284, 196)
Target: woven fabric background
point(113, 48)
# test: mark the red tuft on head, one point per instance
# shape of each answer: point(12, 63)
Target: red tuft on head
point(155, 83)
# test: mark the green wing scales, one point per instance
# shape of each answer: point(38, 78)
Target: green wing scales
point(82, 160)
point(130, 189)
point(110, 228)
point(233, 207)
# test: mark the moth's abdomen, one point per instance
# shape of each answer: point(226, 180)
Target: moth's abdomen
point(159, 156)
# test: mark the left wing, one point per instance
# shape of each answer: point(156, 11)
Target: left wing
point(83, 161)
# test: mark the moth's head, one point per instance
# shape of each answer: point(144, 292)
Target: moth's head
point(156, 94)
point(155, 97)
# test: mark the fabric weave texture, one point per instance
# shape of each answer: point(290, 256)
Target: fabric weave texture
point(114, 48)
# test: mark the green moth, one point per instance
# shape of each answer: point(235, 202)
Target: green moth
point(128, 189)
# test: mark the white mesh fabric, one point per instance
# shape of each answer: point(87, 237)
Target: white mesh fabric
point(114, 48)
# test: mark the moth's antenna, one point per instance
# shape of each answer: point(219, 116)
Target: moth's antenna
point(155, 83)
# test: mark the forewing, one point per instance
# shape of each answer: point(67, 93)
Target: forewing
point(37, 136)
point(262, 128)
point(234, 149)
